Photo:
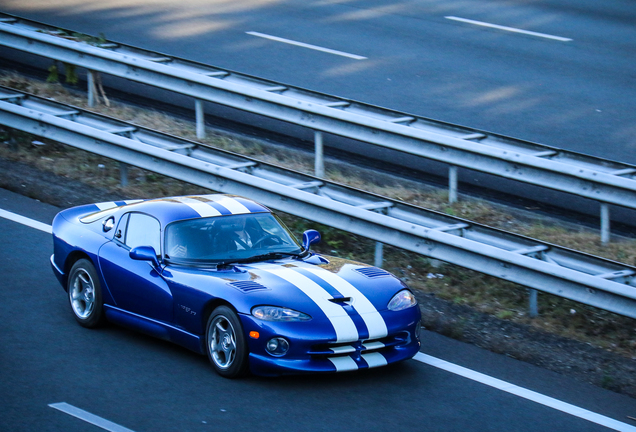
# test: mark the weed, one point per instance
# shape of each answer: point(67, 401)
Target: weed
point(70, 70)
point(459, 300)
point(607, 380)
point(54, 74)
point(504, 314)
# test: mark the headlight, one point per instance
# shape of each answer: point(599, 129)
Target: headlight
point(273, 313)
point(402, 300)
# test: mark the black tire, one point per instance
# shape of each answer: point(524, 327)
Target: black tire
point(225, 343)
point(85, 294)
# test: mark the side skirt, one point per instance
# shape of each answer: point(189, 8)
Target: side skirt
point(154, 328)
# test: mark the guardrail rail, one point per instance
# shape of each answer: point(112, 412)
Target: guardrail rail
point(542, 266)
point(608, 182)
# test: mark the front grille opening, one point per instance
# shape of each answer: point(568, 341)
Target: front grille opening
point(360, 346)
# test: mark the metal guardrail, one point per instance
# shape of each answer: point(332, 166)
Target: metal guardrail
point(602, 180)
point(584, 278)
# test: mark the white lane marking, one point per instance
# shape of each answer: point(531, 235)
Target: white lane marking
point(374, 360)
point(510, 29)
point(370, 315)
point(304, 45)
point(26, 221)
point(525, 393)
point(342, 323)
point(343, 364)
point(89, 418)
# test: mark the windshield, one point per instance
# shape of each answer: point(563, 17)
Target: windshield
point(228, 238)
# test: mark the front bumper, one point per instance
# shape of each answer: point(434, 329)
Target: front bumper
point(314, 350)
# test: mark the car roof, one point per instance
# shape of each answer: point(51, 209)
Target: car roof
point(172, 209)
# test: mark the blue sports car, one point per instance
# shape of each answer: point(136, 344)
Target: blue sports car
point(222, 276)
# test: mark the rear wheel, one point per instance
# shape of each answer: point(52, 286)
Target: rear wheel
point(225, 342)
point(85, 294)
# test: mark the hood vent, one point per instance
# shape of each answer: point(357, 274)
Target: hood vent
point(247, 286)
point(373, 272)
point(341, 300)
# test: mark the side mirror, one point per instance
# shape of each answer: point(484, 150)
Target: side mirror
point(310, 237)
point(144, 253)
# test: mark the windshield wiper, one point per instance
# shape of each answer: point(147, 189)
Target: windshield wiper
point(274, 255)
point(261, 257)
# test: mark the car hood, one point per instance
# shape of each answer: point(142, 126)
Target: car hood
point(343, 292)
point(340, 282)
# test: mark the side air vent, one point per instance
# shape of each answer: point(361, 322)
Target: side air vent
point(247, 286)
point(373, 272)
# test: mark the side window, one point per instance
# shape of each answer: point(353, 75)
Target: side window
point(143, 230)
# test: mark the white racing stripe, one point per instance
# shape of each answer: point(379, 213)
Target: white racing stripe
point(88, 417)
point(106, 205)
point(203, 209)
point(26, 221)
point(372, 318)
point(111, 204)
point(233, 205)
point(342, 323)
point(374, 359)
point(373, 345)
point(525, 393)
point(343, 364)
point(343, 349)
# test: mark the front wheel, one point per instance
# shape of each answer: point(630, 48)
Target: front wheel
point(225, 342)
point(85, 294)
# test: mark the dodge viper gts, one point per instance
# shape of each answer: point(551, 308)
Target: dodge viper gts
point(223, 276)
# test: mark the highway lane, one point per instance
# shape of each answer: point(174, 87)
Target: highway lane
point(577, 94)
point(145, 384)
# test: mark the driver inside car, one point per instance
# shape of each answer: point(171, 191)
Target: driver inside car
point(231, 235)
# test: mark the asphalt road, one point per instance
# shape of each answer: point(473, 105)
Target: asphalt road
point(145, 384)
point(576, 94)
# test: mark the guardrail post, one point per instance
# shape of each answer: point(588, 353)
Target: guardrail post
point(319, 165)
point(91, 88)
point(200, 118)
point(605, 223)
point(533, 305)
point(123, 174)
point(452, 184)
point(379, 254)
